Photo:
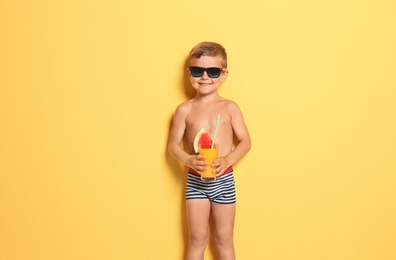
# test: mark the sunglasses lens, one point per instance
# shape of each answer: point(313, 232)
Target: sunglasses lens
point(213, 72)
point(196, 71)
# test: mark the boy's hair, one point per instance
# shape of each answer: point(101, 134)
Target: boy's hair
point(208, 49)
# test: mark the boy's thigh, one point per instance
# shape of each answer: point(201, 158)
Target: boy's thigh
point(224, 218)
point(198, 213)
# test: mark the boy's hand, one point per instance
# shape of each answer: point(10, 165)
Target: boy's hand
point(221, 165)
point(196, 163)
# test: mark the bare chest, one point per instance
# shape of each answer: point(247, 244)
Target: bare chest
point(206, 117)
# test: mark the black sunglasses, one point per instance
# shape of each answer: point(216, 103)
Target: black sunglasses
point(197, 72)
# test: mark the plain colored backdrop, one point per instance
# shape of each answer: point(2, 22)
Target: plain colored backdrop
point(87, 94)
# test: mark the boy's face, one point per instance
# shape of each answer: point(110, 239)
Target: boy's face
point(204, 84)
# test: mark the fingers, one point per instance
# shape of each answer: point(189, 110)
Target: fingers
point(200, 165)
point(200, 157)
point(220, 165)
point(219, 171)
point(219, 162)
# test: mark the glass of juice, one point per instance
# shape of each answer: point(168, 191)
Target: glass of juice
point(211, 155)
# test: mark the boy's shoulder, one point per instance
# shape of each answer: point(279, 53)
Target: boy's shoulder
point(231, 104)
point(184, 107)
point(185, 104)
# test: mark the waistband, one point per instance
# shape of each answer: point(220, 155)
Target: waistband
point(229, 170)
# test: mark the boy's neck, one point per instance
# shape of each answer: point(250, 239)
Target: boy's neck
point(207, 98)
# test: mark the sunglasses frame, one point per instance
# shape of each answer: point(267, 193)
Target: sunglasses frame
point(210, 75)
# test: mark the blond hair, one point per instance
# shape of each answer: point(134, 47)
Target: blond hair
point(208, 49)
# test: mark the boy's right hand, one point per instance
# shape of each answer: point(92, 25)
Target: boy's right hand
point(196, 163)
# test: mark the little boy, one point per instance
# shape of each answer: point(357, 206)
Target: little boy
point(207, 70)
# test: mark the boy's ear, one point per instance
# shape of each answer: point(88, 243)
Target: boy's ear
point(224, 76)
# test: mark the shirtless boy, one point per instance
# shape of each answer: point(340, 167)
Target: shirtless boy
point(207, 70)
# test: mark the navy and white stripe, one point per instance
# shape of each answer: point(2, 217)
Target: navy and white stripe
point(219, 191)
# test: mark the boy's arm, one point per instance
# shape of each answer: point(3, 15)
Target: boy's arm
point(176, 139)
point(244, 143)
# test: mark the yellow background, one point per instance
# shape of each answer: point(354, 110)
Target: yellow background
point(87, 93)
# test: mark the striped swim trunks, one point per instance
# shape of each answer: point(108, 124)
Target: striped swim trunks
point(219, 191)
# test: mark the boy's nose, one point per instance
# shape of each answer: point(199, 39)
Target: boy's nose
point(205, 75)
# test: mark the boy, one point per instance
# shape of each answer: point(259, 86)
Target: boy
point(207, 71)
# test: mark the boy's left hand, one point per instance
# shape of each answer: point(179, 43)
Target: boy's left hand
point(221, 165)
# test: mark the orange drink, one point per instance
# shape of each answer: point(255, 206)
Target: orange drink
point(211, 155)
